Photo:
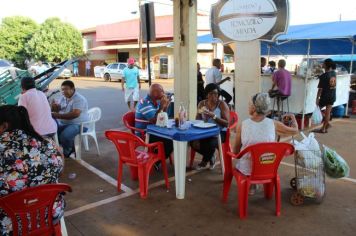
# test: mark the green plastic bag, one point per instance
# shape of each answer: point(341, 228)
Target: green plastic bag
point(335, 165)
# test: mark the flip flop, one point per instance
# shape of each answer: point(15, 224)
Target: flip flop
point(320, 131)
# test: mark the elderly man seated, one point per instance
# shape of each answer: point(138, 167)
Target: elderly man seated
point(147, 111)
point(70, 111)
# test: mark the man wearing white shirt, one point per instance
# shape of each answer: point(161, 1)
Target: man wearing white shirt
point(214, 76)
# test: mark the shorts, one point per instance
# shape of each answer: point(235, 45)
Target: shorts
point(134, 92)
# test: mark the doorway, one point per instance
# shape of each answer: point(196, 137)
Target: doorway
point(122, 56)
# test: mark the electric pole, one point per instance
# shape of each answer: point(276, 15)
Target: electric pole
point(139, 36)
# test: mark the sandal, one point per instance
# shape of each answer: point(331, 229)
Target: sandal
point(320, 131)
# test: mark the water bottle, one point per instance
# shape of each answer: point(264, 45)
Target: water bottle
point(182, 116)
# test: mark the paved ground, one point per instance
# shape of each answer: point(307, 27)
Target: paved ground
point(96, 208)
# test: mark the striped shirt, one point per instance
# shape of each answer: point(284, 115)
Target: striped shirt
point(145, 111)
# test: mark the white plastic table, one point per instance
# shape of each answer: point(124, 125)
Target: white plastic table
point(180, 145)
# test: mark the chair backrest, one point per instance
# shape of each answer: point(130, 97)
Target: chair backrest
point(129, 120)
point(126, 144)
point(266, 157)
point(37, 202)
point(94, 114)
point(233, 120)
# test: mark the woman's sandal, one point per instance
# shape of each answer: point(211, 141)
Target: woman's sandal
point(320, 131)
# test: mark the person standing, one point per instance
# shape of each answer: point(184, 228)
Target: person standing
point(37, 107)
point(326, 92)
point(75, 68)
point(200, 85)
point(70, 111)
point(87, 67)
point(131, 78)
point(214, 75)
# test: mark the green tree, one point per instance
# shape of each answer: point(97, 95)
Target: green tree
point(14, 33)
point(55, 41)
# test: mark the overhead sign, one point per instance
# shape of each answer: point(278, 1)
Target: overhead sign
point(247, 20)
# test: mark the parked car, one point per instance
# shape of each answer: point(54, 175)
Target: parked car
point(65, 74)
point(114, 71)
point(5, 65)
point(99, 71)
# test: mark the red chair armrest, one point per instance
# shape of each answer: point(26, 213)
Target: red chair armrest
point(239, 155)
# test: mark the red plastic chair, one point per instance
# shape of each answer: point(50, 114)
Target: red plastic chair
point(265, 158)
point(33, 202)
point(226, 146)
point(126, 145)
point(129, 121)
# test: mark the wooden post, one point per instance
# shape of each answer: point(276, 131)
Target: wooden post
point(185, 55)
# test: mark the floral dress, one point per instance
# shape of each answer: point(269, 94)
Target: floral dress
point(27, 162)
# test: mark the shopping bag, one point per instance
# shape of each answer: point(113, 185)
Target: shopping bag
point(317, 117)
point(335, 165)
point(308, 151)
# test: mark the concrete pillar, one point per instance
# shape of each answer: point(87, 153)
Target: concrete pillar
point(218, 50)
point(247, 74)
point(185, 55)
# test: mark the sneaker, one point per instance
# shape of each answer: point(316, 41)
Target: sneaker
point(201, 165)
point(212, 163)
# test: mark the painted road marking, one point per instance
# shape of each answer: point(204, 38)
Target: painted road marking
point(121, 196)
point(104, 176)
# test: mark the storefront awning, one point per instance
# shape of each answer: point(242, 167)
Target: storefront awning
point(128, 46)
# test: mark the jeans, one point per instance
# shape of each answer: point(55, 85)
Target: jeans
point(87, 72)
point(66, 135)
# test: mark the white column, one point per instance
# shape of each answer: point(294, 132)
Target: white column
point(185, 55)
point(247, 74)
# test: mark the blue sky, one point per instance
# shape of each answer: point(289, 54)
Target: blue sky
point(85, 13)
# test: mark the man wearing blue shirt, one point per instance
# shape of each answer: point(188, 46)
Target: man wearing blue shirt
point(132, 80)
point(147, 111)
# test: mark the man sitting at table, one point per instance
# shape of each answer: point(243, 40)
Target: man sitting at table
point(147, 111)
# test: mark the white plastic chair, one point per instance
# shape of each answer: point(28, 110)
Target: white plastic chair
point(94, 115)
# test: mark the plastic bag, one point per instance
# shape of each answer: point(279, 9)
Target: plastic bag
point(317, 117)
point(335, 165)
point(308, 151)
point(311, 186)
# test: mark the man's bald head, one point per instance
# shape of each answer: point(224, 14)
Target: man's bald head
point(156, 91)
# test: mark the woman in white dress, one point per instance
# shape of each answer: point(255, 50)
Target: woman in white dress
point(258, 128)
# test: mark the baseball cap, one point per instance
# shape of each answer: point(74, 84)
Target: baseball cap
point(131, 61)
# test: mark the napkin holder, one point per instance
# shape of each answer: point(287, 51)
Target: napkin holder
point(162, 119)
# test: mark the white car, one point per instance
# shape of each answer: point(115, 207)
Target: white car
point(99, 71)
point(114, 71)
point(5, 65)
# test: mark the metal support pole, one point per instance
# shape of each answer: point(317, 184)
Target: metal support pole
point(351, 65)
point(139, 36)
point(305, 84)
point(148, 32)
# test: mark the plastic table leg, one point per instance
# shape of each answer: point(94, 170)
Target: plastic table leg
point(221, 155)
point(180, 159)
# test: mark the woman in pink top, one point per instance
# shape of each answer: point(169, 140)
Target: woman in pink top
point(37, 107)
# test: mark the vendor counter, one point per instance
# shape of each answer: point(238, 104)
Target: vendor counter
point(304, 91)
